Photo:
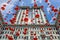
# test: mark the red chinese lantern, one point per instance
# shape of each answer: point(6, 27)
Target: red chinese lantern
point(26, 19)
point(6, 28)
point(10, 38)
point(46, 1)
point(11, 29)
point(2, 8)
point(59, 21)
point(54, 18)
point(49, 28)
point(17, 33)
point(24, 33)
point(37, 16)
point(25, 29)
point(34, 34)
point(35, 5)
point(16, 8)
point(35, 38)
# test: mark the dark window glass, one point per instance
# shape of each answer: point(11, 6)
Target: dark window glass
point(54, 28)
point(46, 32)
point(48, 37)
point(58, 37)
point(53, 33)
point(55, 37)
point(0, 37)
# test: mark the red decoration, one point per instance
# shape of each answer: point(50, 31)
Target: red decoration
point(58, 20)
point(35, 38)
point(46, 1)
point(25, 29)
point(35, 5)
point(58, 12)
point(16, 8)
point(24, 33)
point(45, 15)
point(13, 20)
point(3, 8)
point(17, 33)
point(10, 38)
point(47, 24)
point(4, 22)
point(37, 16)
point(55, 10)
point(52, 6)
point(38, 21)
point(54, 18)
point(11, 29)
point(49, 28)
point(34, 34)
point(26, 19)
point(42, 7)
point(41, 30)
point(6, 28)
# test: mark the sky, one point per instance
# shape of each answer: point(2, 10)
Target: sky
point(11, 4)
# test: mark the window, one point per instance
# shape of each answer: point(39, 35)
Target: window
point(57, 32)
point(2, 32)
point(16, 28)
point(46, 32)
point(54, 28)
point(48, 37)
point(58, 37)
point(5, 32)
point(11, 33)
point(55, 37)
point(53, 32)
point(39, 37)
point(20, 32)
point(19, 37)
point(59, 24)
point(26, 37)
point(3, 37)
point(0, 36)
point(22, 36)
point(31, 37)
point(15, 37)
point(42, 28)
point(2, 28)
point(38, 32)
point(8, 32)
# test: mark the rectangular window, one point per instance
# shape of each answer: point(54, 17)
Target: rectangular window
point(47, 32)
point(53, 32)
point(48, 37)
point(58, 37)
point(55, 37)
point(54, 28)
